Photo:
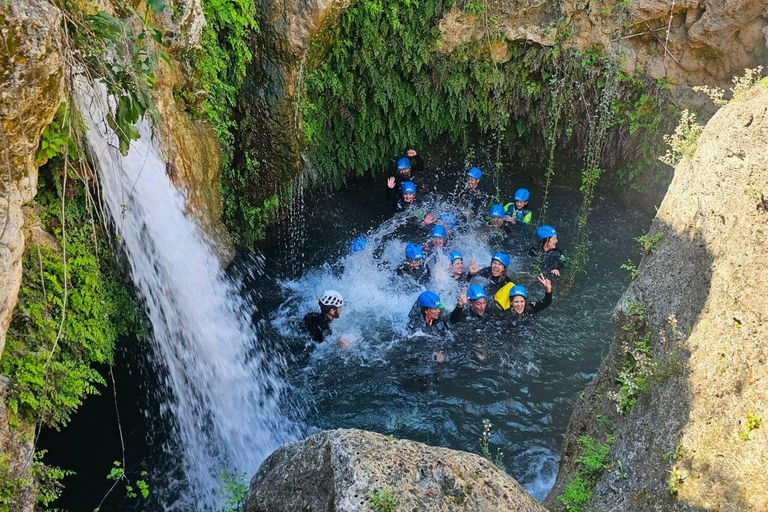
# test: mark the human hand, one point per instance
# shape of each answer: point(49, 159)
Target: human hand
point(343, 342)
point(463, 298)
point(439, 357)
point(473, 269)
point(391, 182)
point(429, 218)
point(507, 218)
point(411, 152)
point(546, 283)
point(555, 272)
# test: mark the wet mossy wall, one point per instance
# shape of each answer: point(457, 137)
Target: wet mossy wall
point(374, 82)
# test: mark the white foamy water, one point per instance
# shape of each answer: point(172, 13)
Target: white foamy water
point(224, 390)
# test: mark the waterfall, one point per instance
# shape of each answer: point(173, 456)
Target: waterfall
point(224, 391)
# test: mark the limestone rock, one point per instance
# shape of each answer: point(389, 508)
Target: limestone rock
point(710, 270)
point(31, 88)
point(334, 471)
point(183, 22)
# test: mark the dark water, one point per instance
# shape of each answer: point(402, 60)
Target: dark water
point(524, 382)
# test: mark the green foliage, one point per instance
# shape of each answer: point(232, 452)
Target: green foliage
point(380, 500)
point(641, 365)
point(123, 57)
point(54, 341)
point(631, 269)
point(60, 136)
point(221, 63)
point(649, 242)
point(591, 463)
point(234, 490)
point(383, 87)
point(47, 479)
point(139, 487)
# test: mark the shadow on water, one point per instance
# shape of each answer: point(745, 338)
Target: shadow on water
point(524, 382)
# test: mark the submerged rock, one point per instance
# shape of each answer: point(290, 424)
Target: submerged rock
point(337, 470)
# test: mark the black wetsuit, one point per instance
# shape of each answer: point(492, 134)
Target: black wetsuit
point(417, 321)
point(475, 200)
point(494, 283)
point(550, 260)
point(318, 325)
point(459, 314)
point(531, 308)
point(420, 274)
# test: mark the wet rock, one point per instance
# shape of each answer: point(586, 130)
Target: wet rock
point(687, 445)
point(334, 471)
point(31, 88)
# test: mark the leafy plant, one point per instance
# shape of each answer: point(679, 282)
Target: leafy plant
point(591, 463)
point(234, 490)
point(741, 84)
point(649, 242)
point(683, 141)
point(631, 269)
point(380, 500)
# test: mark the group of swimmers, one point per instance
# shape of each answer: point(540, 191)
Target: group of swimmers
point(428, 314)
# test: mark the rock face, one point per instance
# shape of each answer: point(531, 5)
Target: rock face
point(31, 88)
point(270, 120)
point(334, 471)
point(686, 42)
point(689, 444)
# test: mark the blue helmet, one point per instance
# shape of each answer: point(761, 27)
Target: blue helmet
point(409, 187)
point(497, 211)
point(448, 218)
point(522, 194)
point(429, 300)
point(358, 244)
point(455, 255)
point(403, 163)
point(438, 231)
point(545, 232)
point(414, 252)
point(475, 173)
point(518, 290)
point(475, 292)
point(502, 258)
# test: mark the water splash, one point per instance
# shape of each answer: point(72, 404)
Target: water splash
point(223, 391)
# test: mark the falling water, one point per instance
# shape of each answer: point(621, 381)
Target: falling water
point(224, 393)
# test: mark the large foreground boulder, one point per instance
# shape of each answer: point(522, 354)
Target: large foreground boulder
point(337, 470)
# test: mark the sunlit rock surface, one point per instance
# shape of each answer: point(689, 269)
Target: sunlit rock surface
point(335, 470)
point(686, 445)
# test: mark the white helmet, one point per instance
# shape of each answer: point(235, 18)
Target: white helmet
point(332, 298)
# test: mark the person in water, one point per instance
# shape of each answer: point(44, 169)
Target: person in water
point(520, 214)
point(457, 266)
point(551, 257)
point(497, 214)
point(413, 265)
point(427, 314)
point(471, 196)
point(496, 274)
point(437, 239)
point(318, 325)
point(471, 305)
point(521, 309)
point(405, 198)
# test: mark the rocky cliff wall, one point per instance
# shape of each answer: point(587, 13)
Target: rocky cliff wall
point(693, 441)
point(684, 42)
